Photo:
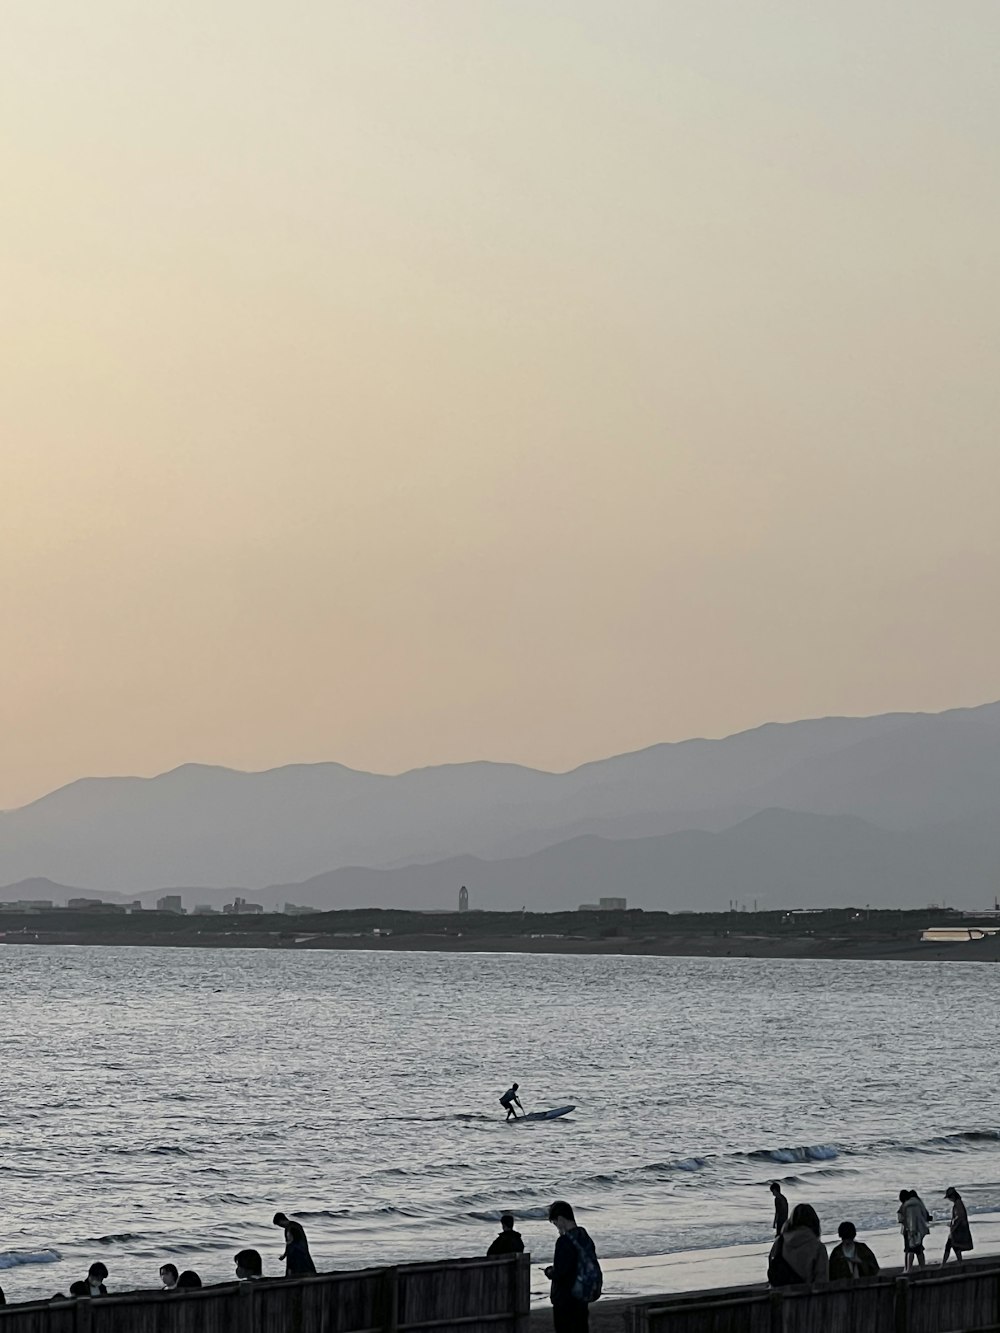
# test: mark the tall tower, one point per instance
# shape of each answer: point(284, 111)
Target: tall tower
point(463, 899)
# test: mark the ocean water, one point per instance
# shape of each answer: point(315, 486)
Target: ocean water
point(163, 1104)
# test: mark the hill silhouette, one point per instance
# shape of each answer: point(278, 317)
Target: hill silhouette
point(904, 803)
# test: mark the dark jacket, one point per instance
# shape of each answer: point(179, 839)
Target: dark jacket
point(508, 1242)
point(298, 1260)
point(841, 1267)
point(780, 1212)
point(564, 1266)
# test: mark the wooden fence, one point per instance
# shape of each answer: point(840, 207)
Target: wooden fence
point(964, 1298)
point(455, 1296)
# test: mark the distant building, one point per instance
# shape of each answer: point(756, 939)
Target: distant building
point(205, 909)
point(170, 902)
point(84, 904)
point(291, 910)
point(612, 904)
point(28, 905)
point(240, 907)
point(463, 899)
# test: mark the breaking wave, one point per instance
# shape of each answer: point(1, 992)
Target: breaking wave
point(15, 1258)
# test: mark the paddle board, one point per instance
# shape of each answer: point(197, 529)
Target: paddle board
point(554, 1114)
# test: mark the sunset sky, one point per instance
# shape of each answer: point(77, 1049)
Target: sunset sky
point(407, 381)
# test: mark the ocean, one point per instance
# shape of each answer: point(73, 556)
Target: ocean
point(162, 1104)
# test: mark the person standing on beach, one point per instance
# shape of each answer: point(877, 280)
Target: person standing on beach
point(780, 1208)
point(959, 1232)
point(298, 1260)
point(509, 1241)
point(574, 1272)
point(509, 1100)
point(914, 1222)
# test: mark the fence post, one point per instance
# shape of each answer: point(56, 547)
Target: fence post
point(901, 1304)
point(250, 1315)
point(81, 1322)
point(390, 1300)
point(777, 1300)
point(521, 1305)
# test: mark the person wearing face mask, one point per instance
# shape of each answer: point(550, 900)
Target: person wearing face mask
point(851, 1258)
point(96, 1276)
point(249, 1266)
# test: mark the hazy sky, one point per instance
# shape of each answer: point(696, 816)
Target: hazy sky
point(400, 381)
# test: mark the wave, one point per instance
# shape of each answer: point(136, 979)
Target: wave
point(15, 1258)
point(818, 1152)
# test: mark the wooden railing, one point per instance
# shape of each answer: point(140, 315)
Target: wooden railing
point(960, 1298)
point(454, 1296)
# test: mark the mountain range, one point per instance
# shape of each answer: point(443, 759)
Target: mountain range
point(895, 810)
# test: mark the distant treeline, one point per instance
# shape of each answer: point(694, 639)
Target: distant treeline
point(632, 923)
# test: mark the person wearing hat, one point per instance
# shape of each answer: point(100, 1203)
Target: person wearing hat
point(959, 1234)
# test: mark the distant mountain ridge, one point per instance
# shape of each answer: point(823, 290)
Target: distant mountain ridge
point(900, 787)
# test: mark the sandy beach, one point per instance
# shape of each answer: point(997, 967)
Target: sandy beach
point(650, 1277)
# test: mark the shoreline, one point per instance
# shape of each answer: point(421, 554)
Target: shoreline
point(686, 945)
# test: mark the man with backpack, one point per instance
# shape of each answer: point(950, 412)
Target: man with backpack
point(575, 1273)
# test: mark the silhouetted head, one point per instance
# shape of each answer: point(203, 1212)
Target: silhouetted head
point(903, 1195)
point(515, 1086)
point(168, 1275)
point(775, 1187)
point(847, 1231)
point(188, 1280)
point(952, 1193)
point(97, 1272)
point(804, 1215)
point(561, 1215)
point(507, 1222)
point(279, 1220)
point(248, 1264)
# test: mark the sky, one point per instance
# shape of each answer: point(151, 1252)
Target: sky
point(409, 381)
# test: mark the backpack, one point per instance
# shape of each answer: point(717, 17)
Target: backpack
point(589, 1282)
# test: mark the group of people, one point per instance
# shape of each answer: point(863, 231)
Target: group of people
point(574, 1273)
point(249, 1266)
point(798, 1254)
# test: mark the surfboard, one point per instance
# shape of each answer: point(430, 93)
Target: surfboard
point(554, 1114)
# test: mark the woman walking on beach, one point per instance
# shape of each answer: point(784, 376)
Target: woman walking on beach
point(914, 1222)
point(959, 1233)
point(798, 1255)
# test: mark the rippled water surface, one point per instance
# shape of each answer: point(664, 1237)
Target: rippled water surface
point(164, 1103)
